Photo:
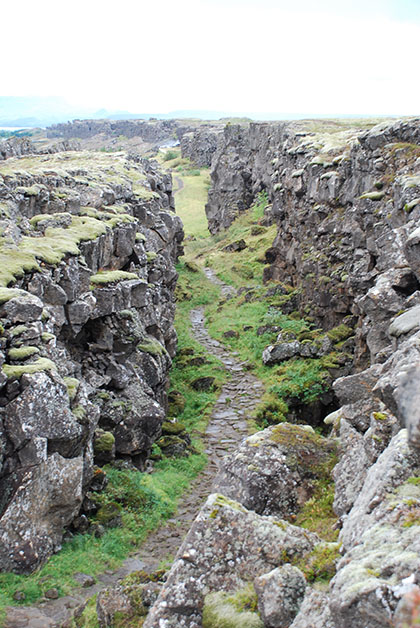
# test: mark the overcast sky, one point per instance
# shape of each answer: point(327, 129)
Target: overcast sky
point(311, 56)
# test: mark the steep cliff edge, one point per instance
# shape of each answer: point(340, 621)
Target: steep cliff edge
point(88, 246)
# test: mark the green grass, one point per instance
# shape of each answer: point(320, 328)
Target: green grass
point(190, 201)
point(146, 500)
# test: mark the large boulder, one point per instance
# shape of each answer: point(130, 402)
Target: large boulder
point(274, 471)
point(48, 499)
point(226, 547)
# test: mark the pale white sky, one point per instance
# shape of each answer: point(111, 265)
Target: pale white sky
point(315, 56)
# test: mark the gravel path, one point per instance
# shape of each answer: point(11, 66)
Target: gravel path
point(226, 429)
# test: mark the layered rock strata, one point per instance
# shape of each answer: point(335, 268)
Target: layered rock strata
point(87, 253)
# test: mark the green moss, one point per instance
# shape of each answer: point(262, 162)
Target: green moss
point(373, 196)
point(295, 436)
point(339, 333)
point(320, 564)
point(18, 330)
point(72, 386)
point(408, 207)
point(140, 237)
point(111, 276)
point(109, 513)
point(42, 364)
point(104, 443)
point(51, 248)
point(10, 293)
point(172, 428)
point(270, 411)
point(153, 347)
point(21, 353)
point(414, 480)
point(151, 256)
point(46, 336)
point(237, 610)
point(380, 416)
point(79, 412)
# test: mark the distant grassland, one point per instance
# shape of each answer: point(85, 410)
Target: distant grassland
point(190, 200)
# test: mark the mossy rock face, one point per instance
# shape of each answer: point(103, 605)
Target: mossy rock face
point(42, 364)
point(203, 383)
point(340, 333)
point(276, 471)
point(104, 446)
point(176, 403)
point(22, 353)
point(172, 445)
point(192, 266)
point(109, 515)
point(172, 428)
point(221, 611)
point(111, 276)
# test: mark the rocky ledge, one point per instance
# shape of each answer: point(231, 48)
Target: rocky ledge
point(87, 252)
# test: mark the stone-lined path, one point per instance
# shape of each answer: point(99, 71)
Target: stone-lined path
point(227, 427)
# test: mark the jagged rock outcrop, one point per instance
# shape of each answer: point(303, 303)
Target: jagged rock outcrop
point(226, 548)
point(88, 246)
point(273, 472)
point(20, 146)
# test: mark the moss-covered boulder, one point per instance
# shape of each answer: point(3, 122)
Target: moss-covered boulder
point(103, 446)
point(176, 403)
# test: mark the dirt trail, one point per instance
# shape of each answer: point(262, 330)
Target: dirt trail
point(226, 429)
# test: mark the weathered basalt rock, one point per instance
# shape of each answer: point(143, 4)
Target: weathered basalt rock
point(274, 471)
point(87, 334)
point(226, 547)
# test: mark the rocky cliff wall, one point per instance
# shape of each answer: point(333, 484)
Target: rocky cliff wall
point(87, 254)
point(345, 203)
point(20, 146)
point(148, 130)
point(348, 215)
point(200, 146)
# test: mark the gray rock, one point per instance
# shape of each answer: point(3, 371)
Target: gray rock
point(408, 399)
point(226, 547)
point(22, 309)
point(273, 471)
point(280, 594)
point(274, 354)
point(314, 611)
point(405, 323)
point(397, 463)
point(42, 410)
point(31, 527)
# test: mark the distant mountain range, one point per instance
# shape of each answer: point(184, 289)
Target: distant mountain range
point(22, 111)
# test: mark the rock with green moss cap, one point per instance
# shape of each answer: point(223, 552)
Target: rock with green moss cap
point(274, 471)
point(103, 446)
point(22, 309)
